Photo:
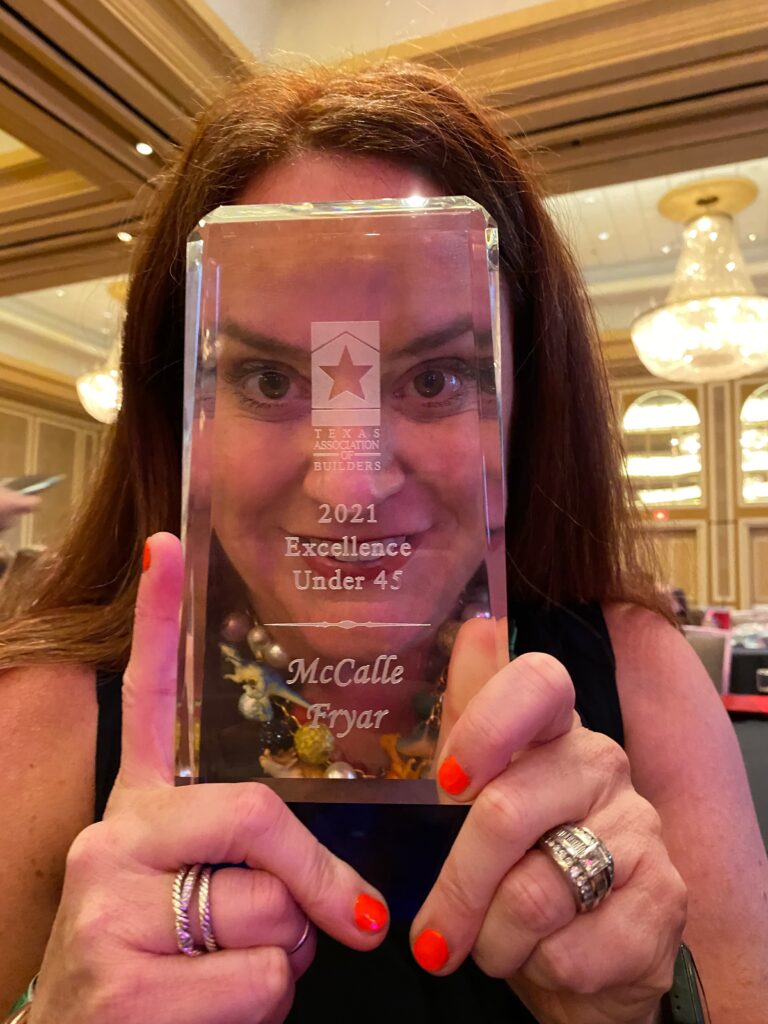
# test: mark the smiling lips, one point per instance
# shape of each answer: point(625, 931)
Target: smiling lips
point(328, 554)
point(348, 549)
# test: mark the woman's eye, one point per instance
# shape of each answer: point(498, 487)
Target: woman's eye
point(267, 392)
point(435, 383)
point(436, 389)
point(272, 384)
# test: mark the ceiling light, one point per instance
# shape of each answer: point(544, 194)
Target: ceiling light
point(671, 495)
point(713, 325)
point(666, 249)
point(752, 237)
point(125, 236)
point(144, 148)
point(100, 391)
point(663, 465)
point(603, 236)
point(59, 293)
point(100, 394)
point(755, 490)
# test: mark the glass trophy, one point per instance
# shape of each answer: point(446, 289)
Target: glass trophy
point(343, 490)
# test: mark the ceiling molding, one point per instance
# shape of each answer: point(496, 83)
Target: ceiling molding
point(597, 91)
point(81, 84)
point(605, 91)
point(26, 382)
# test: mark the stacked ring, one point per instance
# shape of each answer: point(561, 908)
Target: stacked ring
point(584, 860)
point(204, 909)
point(184, 883)
point(183, 889)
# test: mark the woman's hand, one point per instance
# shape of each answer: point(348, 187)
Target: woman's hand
point(112, 955)
point(516, 747)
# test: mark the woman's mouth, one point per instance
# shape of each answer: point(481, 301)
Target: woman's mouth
point(325, 555)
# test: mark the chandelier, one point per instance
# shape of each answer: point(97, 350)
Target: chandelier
point(100, 391)
point(713, 324)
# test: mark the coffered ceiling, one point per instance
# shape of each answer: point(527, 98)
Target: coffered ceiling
point(615, 100)
point(82, 84)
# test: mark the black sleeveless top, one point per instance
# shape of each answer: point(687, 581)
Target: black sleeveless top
point(347, 986)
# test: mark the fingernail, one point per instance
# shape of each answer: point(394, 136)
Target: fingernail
point(147, 561)
point(370, 914)
point(452, 776)
point(430, 950)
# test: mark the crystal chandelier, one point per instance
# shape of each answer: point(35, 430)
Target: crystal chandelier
point(713, 325)
point(100, 391)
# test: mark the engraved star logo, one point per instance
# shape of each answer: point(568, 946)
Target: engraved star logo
point(347, 375)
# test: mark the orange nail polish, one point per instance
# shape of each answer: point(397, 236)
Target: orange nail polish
point(370, 914)
point(452, 776)
point(147, 561)
point(430, 950)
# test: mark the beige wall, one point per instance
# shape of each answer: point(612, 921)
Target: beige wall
point(36, 439)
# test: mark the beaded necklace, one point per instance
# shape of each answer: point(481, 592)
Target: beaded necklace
point(287, 747)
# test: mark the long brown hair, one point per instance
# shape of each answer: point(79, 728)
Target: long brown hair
point(571, 531)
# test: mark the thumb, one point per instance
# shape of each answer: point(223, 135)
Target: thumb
point(149, 682)
point(474, 659)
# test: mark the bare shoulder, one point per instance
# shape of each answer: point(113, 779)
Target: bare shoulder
point(48, 715)
point(49, 719)
point(642, 637)
point(669, 705)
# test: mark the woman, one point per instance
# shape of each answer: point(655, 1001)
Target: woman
point(674, 810)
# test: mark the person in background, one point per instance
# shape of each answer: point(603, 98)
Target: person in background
point(605, 721)
point(680, 607)
point(13, 504)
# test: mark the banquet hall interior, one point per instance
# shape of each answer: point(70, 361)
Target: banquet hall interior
point(648, 125)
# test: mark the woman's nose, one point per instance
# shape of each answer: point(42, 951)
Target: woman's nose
point(353, 480)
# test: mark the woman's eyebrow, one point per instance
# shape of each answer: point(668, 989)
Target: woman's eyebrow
point(265, 344)
point(271, 347)
point(433, 339)
point(442, 335)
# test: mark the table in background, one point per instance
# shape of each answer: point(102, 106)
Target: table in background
point(749, 714)
point(744, 666)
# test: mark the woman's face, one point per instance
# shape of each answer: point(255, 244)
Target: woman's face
point(378, 323)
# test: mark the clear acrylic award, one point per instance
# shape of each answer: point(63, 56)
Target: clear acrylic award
point(343, 489)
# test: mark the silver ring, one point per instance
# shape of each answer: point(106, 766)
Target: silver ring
point(585, 861)
point(183, 890)
point(302, 939)
point(204, 909)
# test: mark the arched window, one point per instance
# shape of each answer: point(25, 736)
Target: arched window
point(754, 447)
point(663, 443)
